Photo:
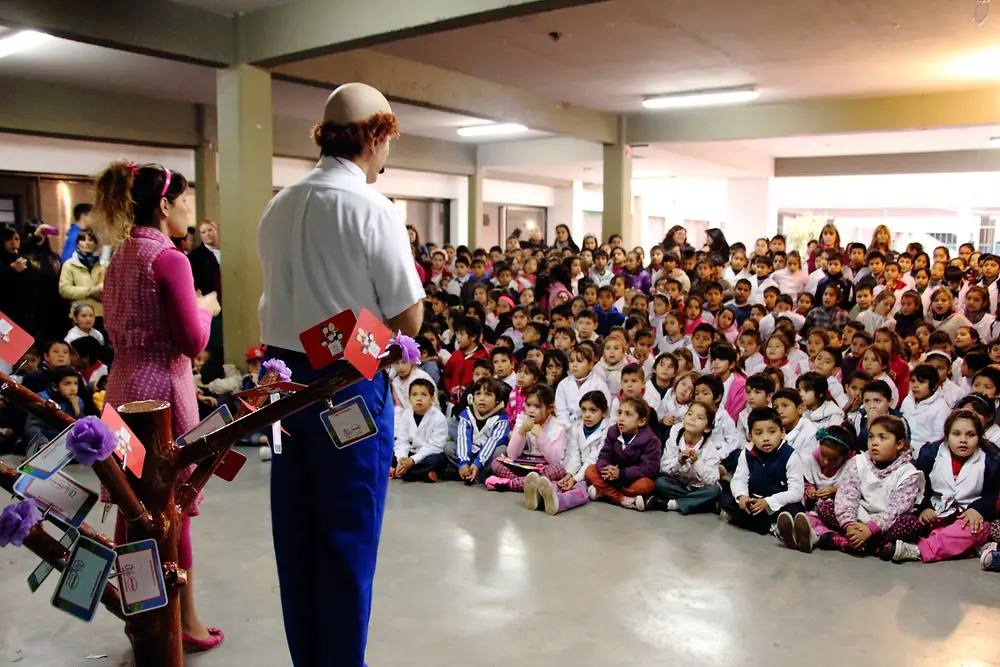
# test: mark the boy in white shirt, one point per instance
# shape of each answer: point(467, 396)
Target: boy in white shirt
point(581, 380)
point(420, 436)
point(800, 433)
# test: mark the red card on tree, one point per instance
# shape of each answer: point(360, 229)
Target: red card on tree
point(129, 451)
point(14, 341)
point(325, 342)
point(367, 343)
point(231, 465)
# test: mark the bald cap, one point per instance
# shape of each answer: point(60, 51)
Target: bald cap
point(354, 103)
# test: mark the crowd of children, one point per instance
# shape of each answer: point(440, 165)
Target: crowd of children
point(842, 400)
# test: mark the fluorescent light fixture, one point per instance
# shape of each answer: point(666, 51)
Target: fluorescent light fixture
point(994, 142)
point(702, 98)
point(493, 130)
point(20, 41)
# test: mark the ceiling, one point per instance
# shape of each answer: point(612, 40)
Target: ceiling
point(64, 62)
point(228, 7)
point(868, 143)
point(611, 54)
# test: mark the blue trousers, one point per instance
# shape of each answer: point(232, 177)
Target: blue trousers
point(326, 514)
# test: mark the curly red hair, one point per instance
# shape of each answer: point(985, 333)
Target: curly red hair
point(348, 141)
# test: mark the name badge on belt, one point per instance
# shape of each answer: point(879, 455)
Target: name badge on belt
point(349, 422)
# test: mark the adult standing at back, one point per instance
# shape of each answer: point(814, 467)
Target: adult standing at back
point(206, 267)
point(81, 220)
point(329, 242)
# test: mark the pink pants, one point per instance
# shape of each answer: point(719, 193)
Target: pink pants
point(950, 539)
point(553, 471)
point(185, 557)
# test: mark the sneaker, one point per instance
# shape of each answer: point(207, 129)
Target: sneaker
point(656, 504)
point(786, 530)
point(636, 503)
point(532, 485)
point(495, 483)
point(265, 453)
point(672, 506)
point(990, 560)
point(805, 536)
point(431, 477)
point(592, 492)
point(989, 546)
point(724, 517)
point(901, 552)
point(548, 495)
point(640, 504)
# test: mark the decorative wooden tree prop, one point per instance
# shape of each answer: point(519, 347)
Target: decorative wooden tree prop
point(153, 505)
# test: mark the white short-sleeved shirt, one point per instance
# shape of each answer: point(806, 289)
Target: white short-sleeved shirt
point(329, 242)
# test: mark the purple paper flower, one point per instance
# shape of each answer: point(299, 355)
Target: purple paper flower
point(411, 351)
point(279, 367)
point(16, 521)
point(91, 440)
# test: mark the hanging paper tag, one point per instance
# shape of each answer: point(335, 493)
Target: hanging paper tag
point(140, 577)
point(349, 422)
point(65, 498)
point(82, 582)
point(207, 426)
point(42, 572)
point(50, 459)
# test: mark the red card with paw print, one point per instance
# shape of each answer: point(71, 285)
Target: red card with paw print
point(129, 451)
point(14, 341)
point(325, 342)
point(367, 343)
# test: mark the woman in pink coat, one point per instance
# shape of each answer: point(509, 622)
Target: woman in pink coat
point(155, 319)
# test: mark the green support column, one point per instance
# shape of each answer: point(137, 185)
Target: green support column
point(617, 216)
point(206, 165)
point(476, 210)
point(245, 185)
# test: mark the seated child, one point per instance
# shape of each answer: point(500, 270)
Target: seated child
point(83, 320)
point(759, 390)
point(503, 366)
point(586, 326)
point(664, 372)
point(751, 360)
point(677, 399)
point(613, 360)
point(820, 409)
point(701, 344)
point(528, 375)
point(689, 468)
point(962, 487)
point(724, 366)
point(708, 390)
point(777, 356)
point(581, 380)
point(634, 384)
point(421, 432)
point(628, 460)
point(583, 446)
point(87, 355)
point(822, 471)
point(403, 375)
point(876, 401)
point(483, 430)
point(768, 478)
point(673, 337)
point(876, 496)
point(64, 390)
point(642, 350)
point(827, 365)
point(538, 437)
point(924, 409)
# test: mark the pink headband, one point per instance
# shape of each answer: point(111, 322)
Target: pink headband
point(506, 299)
point(166, 183)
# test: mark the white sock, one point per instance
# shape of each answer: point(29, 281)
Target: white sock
point(672, 505)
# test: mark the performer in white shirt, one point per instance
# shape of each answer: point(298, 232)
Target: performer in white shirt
point(329, 242)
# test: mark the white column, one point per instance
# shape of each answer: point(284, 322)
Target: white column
point(750, 210)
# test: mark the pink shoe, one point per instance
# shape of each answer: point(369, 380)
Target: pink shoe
point(192, 645)
point(494, 483)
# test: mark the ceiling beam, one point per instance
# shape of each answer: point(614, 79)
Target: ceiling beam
point(832, 116)
point(309, 28)
point(433, 87)
point(151, 27)
point(941, 162)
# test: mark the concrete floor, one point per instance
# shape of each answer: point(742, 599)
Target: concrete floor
point(470, 578)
